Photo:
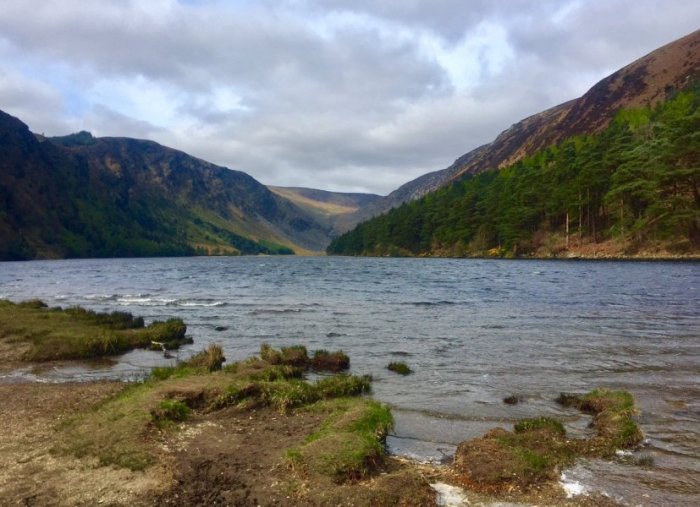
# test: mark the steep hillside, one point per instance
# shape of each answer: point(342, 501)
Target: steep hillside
point(632, 189)
point(80, 196)
point(647, 81)
point(329, 208)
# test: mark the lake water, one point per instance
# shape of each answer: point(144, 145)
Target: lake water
point(474, 331)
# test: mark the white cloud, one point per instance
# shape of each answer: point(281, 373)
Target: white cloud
point(34, 102)
point(337, 94)
point(481, 53)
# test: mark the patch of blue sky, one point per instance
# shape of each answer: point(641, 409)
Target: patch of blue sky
point(481, 53)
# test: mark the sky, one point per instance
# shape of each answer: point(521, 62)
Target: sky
point(341, 95)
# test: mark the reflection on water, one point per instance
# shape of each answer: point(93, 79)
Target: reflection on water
point(473, 331)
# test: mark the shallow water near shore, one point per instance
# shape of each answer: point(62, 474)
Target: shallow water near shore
point(473, 331)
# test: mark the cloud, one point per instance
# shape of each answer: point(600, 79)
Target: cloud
point(103, 121)
point(336, 94)
point(34, 102)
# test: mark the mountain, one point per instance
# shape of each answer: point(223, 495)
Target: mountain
point(614, 173)
point(332, 209)
point(647, 81)
point(81, 196)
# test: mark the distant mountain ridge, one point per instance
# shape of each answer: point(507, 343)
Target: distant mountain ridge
point(646, 81)
point(332, 209)
point(80, 196)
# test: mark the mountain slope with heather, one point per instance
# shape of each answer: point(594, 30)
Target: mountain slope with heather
point(80, 196)
point(645, 82)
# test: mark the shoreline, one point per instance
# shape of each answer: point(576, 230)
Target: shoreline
point(34, 413)
point(261, 405)
point(258, 432)
point(693, 258)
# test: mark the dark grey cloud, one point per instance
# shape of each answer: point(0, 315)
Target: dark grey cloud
point(449, 19)
point(336, 94)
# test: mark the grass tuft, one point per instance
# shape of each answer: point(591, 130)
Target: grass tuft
point(170, 333)
point(113, 320)
point(343, 385)
point(399, 367)
point(211, 359)
point(278, 372)
point(330, 361)
point(270, 355)
point(163, 372)
point(287, 393)
point(169, 411)
point(296, 355)
point(34, 304)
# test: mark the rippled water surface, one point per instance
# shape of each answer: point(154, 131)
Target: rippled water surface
point(474, 331)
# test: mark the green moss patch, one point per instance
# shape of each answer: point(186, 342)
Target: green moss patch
point(540, 423)
point(169, 411)
point(114, 432)
point(349, 445)
point(399, 367)
point(287, 393)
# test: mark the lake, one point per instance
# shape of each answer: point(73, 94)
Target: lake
point(473, 331)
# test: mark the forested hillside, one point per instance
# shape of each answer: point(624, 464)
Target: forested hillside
point(647, 81)
point(631, 188)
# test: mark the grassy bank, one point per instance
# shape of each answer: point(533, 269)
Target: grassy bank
point(115, 432)
point(336, 435)
point(259, 432)
point(322, 437)
point(31, 331)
